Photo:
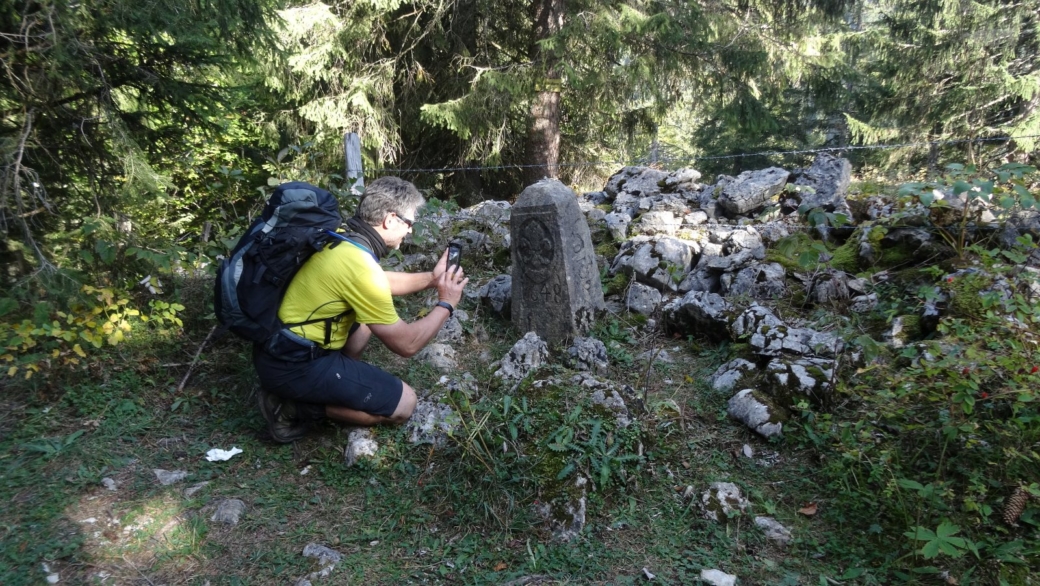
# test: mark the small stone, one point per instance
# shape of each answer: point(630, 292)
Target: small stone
point(649, 575)
point(324, 554)
point(721, 499)
point(168, 477)
point(109, 484)
point(431, 423)
point(718, 578)
point(748, 452)
point(195, 488)
point(359, 445)
point(774, 530)
point(229, 511)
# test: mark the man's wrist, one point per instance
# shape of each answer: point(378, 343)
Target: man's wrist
point(448, 306)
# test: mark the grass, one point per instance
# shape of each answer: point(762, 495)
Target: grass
point(417, 515)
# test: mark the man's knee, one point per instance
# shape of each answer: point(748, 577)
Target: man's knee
point(406, 406)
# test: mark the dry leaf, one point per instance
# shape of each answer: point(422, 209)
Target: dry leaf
point(500, 566)
point(808, 510)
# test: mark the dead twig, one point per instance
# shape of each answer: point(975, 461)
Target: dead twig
point(195, 359)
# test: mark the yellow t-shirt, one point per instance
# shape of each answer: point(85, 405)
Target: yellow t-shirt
point(332, 281)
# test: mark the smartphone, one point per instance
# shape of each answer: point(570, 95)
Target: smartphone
point(454, 255)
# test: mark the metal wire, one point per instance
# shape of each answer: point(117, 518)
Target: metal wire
point(873, 147)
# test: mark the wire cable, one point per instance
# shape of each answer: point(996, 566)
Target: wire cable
point(692, 159)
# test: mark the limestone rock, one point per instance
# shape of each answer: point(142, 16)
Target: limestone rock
point(431, 423)
point(324, 554)
point(760, 281)
point(721, 500)
point(864, 303)
point(490, 212)
point(773, 340)
point(168, 477)
point(618, 180)
point(829, 178)
point(360, 445)
point(642, 299)
point(612, 400)
point(617, 225)
point(718, 578)
point(682, 179)
point(736, 372)
point(229, 511)
point(565, 515)
point(452, 330)
point(793, 379)
point(695, 218)
point(643, 182)
point(497, 295)
point(774, 531)
point(661, 262)
point(758, 412)
point(587, 354)
point(751, 319)
point(701, 313)
point(658, 223)
point(752, 190)
point(529, 353)
point(191, 490)
point(701, 280)
point(439, 356)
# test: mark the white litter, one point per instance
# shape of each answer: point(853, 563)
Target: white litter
point(219, 455)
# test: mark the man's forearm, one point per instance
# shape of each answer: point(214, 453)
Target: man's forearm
point(405, 283)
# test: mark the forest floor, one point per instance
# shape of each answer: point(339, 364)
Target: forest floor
point(414, 515)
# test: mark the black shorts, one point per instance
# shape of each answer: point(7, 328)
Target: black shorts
point(332, 379)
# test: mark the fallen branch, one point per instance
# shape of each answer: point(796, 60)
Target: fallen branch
point(195, 359)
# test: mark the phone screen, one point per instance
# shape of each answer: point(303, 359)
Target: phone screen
point(454, 255)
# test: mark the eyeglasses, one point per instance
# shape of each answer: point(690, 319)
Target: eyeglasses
point(405, 220)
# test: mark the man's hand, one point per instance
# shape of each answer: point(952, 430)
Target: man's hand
point(439, 268)
point(450, 283)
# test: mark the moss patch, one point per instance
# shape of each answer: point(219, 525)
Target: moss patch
point(965, 294)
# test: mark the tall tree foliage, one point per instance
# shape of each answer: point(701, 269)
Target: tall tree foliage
point(947, 69)
point(98, 97)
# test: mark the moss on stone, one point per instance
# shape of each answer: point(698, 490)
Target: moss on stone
point(965, 294)
point(607, 249)
point(846, 257)
point(616, 284)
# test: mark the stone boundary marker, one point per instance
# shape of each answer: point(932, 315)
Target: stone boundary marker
point(556, 286)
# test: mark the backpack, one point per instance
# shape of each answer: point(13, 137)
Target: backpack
point(298, 220)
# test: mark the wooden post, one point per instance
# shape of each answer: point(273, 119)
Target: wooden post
point(352, 148)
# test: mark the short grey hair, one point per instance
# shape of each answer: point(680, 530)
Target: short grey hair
point(385, 195)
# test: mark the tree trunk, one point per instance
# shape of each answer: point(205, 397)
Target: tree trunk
point(543, 135)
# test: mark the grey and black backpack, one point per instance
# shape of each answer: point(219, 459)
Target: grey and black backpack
point(298, 220)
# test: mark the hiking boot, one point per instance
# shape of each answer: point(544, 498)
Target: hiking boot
point(283, 423)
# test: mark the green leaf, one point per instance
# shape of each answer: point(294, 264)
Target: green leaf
point(7, 305)
point(927, 198)
point(946, 529)
point(960, 187)
point(930, 550)
point(566, 471)
point(912, 484)
point(920, 534)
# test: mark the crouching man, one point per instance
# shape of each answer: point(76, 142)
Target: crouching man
point(338, 300)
